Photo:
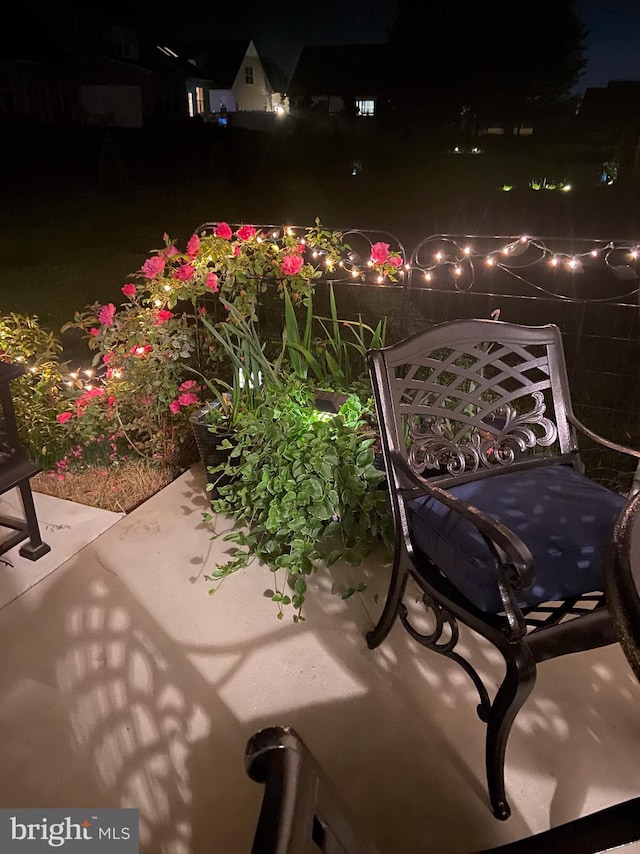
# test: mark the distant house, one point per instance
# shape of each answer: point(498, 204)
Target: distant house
point(610, 114)
point(347, 80)
point(64, 65)
point(234, 75)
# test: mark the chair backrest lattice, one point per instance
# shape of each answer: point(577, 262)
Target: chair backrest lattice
point(468, 397)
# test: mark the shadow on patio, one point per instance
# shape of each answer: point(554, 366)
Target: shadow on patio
point(124, 684)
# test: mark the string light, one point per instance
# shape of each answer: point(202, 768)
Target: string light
point(457, 271)
point(380, 279)
point(490, 261)
point(554, 261)
point(167, 288)
point(467, 250)
point(438, 256)
point(88, 372)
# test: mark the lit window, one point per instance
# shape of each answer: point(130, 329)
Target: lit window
point(365, 106)
point(199, 100)
point(191, 109)
point(248, 75)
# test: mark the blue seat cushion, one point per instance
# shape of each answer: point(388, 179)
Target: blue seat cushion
point(565, 519)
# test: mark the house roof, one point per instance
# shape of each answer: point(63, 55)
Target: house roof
point(218, 61)
point(333, 69)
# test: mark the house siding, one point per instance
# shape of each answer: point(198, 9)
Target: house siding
point(256, 95)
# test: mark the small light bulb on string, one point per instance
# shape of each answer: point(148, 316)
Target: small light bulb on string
point(594, 253)
point(490, 261)
point(407, 267)
point(289, 231)
point(19, 358)
point(167, 288)
point(32, 370)
point(314, 254)
point(303, 241)
point(275, 235)
point(157, 303)
point(355, 274)
point(380, 279)
point(524, 239)
point(634, 253)
point(554, 261)
point(467, 250)
point(506, 250)
point(88, 372)
point(438, 256)
point(258, 239)
point(457, 271)
point(74, 375)
point(340, 263)
point(427, 277)
point(89, 387)
point(369, 263)
point(69, 384)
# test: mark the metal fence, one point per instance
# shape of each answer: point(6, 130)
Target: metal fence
point(587, 287)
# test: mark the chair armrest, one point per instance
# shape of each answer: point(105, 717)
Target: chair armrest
point(513, 556)
point(600, 440)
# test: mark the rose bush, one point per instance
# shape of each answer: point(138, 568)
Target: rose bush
point(137, 396)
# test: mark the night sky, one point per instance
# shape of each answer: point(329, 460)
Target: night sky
point(613, 43)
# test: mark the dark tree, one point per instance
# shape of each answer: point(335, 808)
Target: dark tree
point(492, 61)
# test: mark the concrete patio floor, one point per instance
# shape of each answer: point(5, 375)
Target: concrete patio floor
point(124, 684)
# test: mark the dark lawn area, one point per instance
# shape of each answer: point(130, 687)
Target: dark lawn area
point(82, 208)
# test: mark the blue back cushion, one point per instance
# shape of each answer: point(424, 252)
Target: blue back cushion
point(565, 519)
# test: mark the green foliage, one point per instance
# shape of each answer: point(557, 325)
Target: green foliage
point(305, 489)
point(39, 394)
point(337, 358)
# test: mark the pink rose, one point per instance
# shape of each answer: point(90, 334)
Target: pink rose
point(291, 264)
point(246, 232)
point(111, 400)
point(174, 406)
point(93, 331)
point(193, 246)
point(162, 315)
point(106, 314)
point(187, 384)
point(300, 248)
point(152, 266)
point(170, 251)
point(237, 251)
point(184, 273)
point(107, 358)
point(128, 290)
point(223, 230)
point(395, 261)
point(187, 399)
point(212, 283)
point(379, 253)
point(64, 417)
point(202, 310)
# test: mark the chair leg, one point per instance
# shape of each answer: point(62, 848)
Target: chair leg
point(397, 586)
point(518, 683)
point(35, 548)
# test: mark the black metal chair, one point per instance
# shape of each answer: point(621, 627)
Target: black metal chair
point(301, 813)
point(494, 518)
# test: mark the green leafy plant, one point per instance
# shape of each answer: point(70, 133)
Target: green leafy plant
point(40, 393)
point(305, 490)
